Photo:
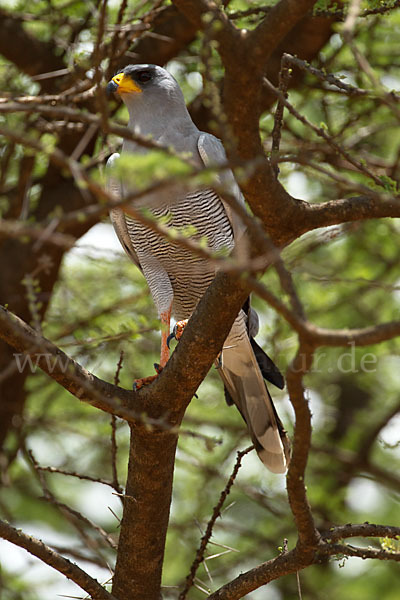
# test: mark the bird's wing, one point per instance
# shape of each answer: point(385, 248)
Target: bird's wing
point(117, 215)
point(212, 153)
point(239, 368)
point(245, 385)
point(244, 363)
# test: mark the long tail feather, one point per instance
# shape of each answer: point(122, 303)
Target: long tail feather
point(246, 387)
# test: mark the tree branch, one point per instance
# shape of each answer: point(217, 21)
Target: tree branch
point(284, 564)
point(68, 373)
point(362, 530)
point(243, 105)
point(347, 550)
point(345, 210)
point(195, 11)
point(296, 560)
point(218, 309)
point(367, 336)
point(145, 518)
point(319, 336)
point(280, 19)
point(173, 33)
point(284, 217)
point(308, 535)
point(208, 533)
point(150, 472)
point(301, 216)
point(55, 560)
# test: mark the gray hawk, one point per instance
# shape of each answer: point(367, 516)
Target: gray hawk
point(177, 278)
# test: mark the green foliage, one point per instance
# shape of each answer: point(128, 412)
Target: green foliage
point(346, 277)
point(146, 169)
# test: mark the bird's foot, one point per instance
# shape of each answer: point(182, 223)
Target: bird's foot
point(177, 334)
point(139, 383)
point(177, 331)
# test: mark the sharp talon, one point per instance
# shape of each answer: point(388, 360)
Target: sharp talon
point(177, 331)
point(196, 396)
point(170, 337)
point(158, 368)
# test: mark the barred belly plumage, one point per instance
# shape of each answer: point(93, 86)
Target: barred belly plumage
point(202, 216)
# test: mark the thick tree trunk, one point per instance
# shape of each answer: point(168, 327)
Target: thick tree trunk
point(145, 516)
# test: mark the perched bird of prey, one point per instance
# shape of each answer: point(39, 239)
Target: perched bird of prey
point(177, 278)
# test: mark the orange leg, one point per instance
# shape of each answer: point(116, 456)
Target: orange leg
point(165, 325)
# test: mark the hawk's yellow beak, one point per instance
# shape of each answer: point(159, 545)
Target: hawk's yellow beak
point(122, 84)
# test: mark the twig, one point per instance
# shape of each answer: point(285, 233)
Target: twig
point(298, 585)
point(70, 512)
point(344, 182)
point(114, 448)
point(320, 336)
point(360, 530)
point(351, 18)
point(216, 513)
point(321, 133)
point(17, 229)
point(288, 286)
point(97, 57)
point(288, 59)
point(372, 435)
point(339, 13)
point(347, 550)
point(117, 29)
point(82, 384)
point(56, 561)
point(109, 200)
point(211, 92)
point(63, 369)
point(74, 474)
point(284, 77)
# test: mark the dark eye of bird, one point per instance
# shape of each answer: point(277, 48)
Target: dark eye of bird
point(144, 76)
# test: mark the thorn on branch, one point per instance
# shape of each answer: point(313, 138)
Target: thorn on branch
point(72, 515)
point(216, 513)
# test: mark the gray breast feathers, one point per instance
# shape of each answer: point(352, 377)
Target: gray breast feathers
point(199, 215)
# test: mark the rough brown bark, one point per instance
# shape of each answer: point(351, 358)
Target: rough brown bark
point(146, 512)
